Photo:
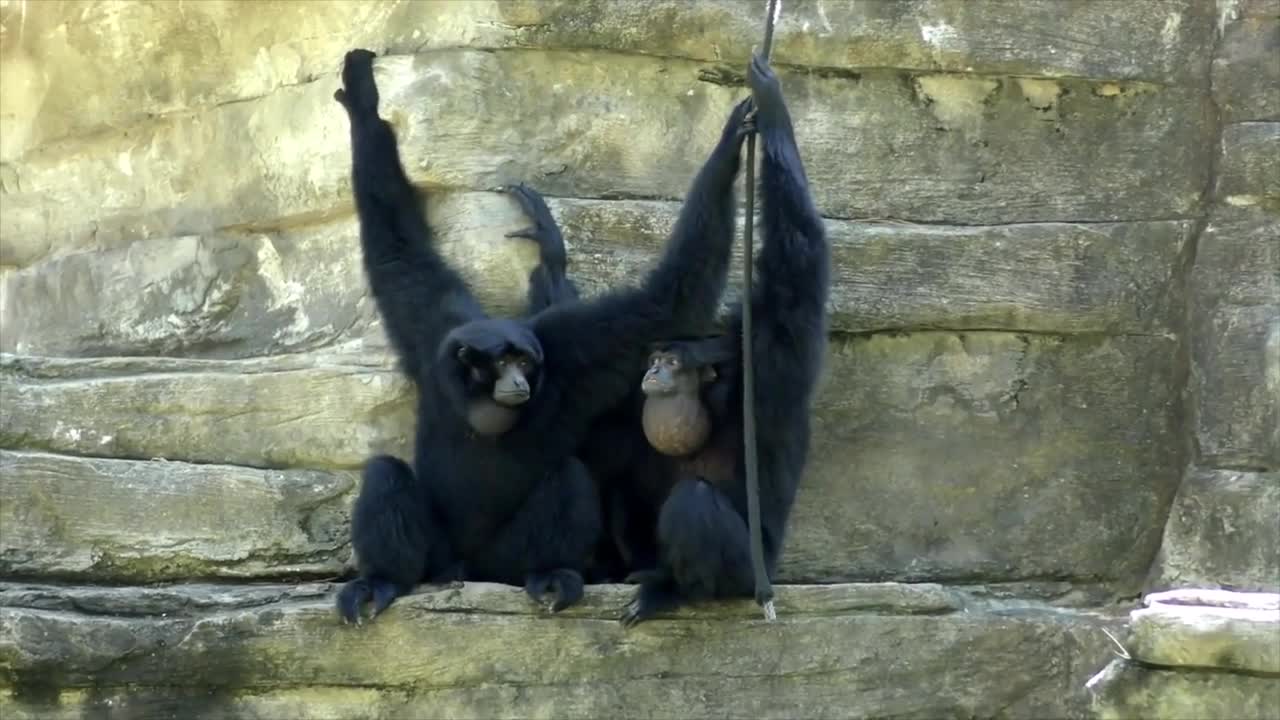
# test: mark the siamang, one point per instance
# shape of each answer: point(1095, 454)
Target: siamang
point(674, 481)
point(496, 492)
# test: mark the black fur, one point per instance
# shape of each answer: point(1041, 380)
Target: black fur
point(549, 282)
point(698, 505)
point(518, 508)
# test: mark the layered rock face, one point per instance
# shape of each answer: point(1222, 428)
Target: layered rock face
point(1191, 652)
point(1196, 654)
point(1053, 381)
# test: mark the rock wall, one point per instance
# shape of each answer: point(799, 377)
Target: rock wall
point(1216, 653)
point(1056, 234)
point(1223, 529)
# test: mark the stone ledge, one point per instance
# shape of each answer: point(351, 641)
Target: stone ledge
point(906, 276)
point(122, 520)
point(1194, 654)
point(482, 649)
point(1126, 691)
point(602, 602)
point(302, 411)
point(1208, 629)
point(236, 294)
point(228, 295)
point(919, 428)
point(223, 55)
point(935, 148)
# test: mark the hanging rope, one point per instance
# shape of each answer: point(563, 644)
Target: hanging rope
point(764, 590)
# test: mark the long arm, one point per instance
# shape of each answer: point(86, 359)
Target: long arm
point(549, 283)
point(418, 295)
point(547, 288)
point(598, 341)
point(789, 301)
point(788, 306)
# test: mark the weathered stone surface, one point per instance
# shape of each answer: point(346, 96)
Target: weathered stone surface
point(480, 651)
point(195, 599)
point(1059, 593)
point(1234, 636)
point(1215, 598)
point(1222, 531)
point(935, 148)
point(665, 696)
point(227, 296)
point(1236, 339)
point(1249, 173)
point(1246, 70)
point(1174, 634)
point(988, 455)
point(1124, 691)
point(207, 295)
point(93, 66)
point(1238, 258)
point(190, 196)
point(73, 69)
point(121, 520)
point(296, 411)
point(899, 276)
point(1229, 10)
point(200, 599)
point(1142, 40)
point(1086, 425)
point(235, 295)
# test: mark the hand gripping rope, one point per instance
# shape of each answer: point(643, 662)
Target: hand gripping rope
point(764, 590)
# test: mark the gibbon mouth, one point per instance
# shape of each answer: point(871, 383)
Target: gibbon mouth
point(511, 398)
point(656, 388)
